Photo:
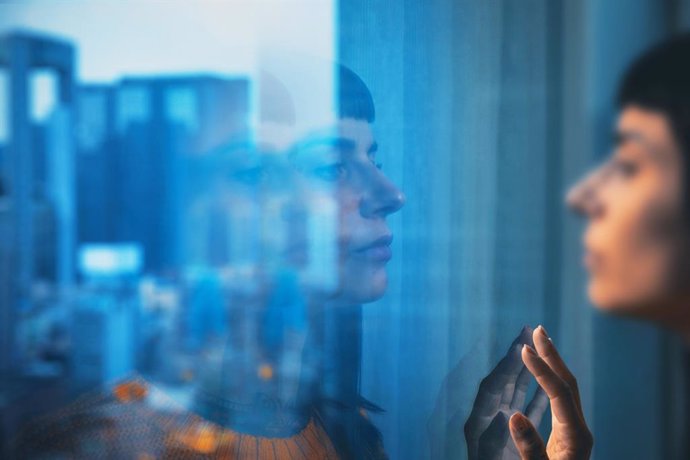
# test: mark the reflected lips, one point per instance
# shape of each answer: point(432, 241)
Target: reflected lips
point(379, 250)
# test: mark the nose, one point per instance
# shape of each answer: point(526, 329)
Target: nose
point(382, 198)
point(582, 197)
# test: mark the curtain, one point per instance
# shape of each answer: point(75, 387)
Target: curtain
point(487, 111)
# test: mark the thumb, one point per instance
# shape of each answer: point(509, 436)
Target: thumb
point(526, 438)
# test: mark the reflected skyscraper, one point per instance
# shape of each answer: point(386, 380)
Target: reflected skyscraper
point(37, 176)
point(140, 148)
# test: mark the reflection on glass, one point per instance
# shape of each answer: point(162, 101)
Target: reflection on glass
point(224, 256)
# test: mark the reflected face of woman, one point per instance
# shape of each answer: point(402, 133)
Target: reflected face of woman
point(334, 200)
point(345, 161)
point(637, 234)
point(366, 197)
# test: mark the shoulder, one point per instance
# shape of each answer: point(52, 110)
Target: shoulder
point(115, 419)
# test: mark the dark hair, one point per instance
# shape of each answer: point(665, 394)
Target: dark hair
point(342, 409)
point(354, 98)
point(659, 80)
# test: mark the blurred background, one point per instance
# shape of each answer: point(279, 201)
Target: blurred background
point(487, 111)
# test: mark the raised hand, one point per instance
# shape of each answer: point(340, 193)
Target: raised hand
point(570, 438)
point(502, 393)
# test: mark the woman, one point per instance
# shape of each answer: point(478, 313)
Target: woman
point(310, 202)
point(637, 248)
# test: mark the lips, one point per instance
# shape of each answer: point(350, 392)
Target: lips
point(591, 259)
point(378, 250)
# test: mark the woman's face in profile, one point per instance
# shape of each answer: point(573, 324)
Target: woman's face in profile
point(366, 197)
point(331, 196)
point(637, 234)
point(344, 160)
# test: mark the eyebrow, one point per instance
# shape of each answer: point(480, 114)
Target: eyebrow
point(622, 137)
point(342, 144)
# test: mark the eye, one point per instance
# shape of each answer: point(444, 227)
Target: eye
point(624, 168)
point(331, 172)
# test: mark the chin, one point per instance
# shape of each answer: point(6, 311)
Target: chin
point(365, 294)
point(604, 300)
point(596, 297)
point(361, 291)
point(619, 303)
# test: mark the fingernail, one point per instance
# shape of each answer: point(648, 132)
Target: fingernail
point(530, 350)
point(542, 331)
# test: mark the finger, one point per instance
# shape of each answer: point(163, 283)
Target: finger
point(512, 387)
point(493, 441)
point(521, 387)
point(526, 438)
point(537, 407)
point(509, 392)
point(559, 393)
point(548, 352)
point(490, 394)
point(524, 337)
point(493, 386)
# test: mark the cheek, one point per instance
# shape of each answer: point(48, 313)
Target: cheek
point(639, 243)
point(348, 215)
point(361, 281)
point(630, 284)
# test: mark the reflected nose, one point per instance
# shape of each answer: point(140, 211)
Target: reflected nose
point(383, 198)
point(582, 197)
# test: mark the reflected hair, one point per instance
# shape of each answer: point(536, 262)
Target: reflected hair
point(354, 98)
point(342, 408)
